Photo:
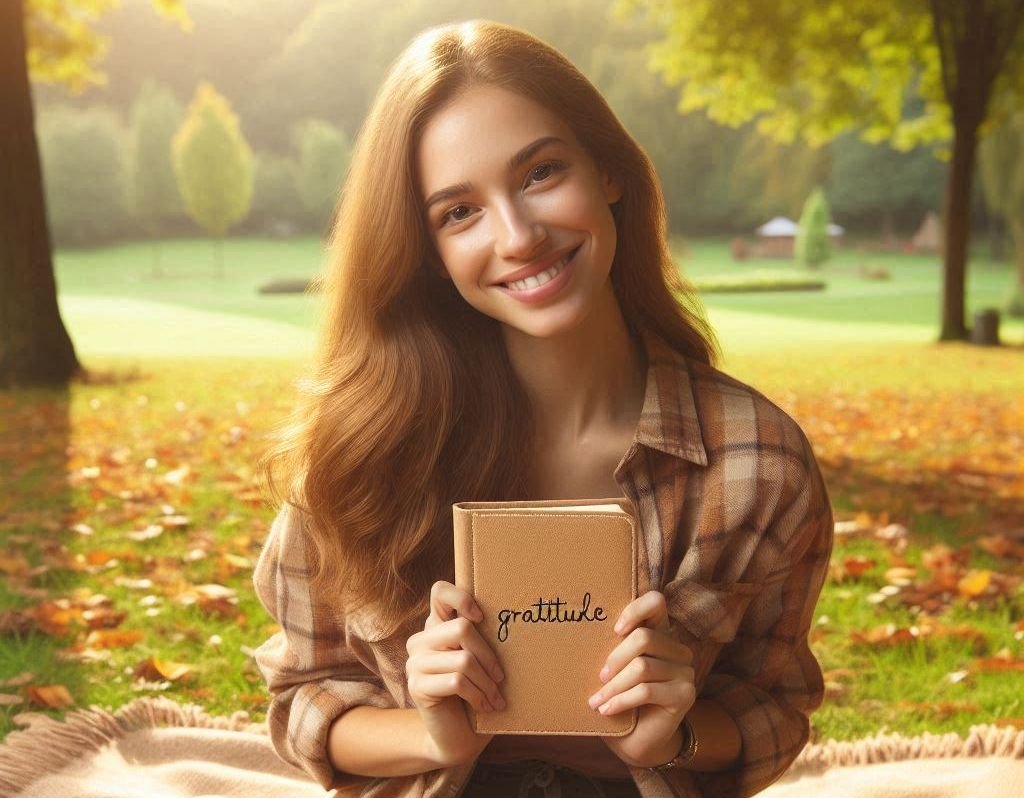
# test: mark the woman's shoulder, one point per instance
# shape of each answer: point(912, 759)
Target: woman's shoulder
point(739, 421)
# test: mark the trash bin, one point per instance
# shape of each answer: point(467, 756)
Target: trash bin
point(986, 327)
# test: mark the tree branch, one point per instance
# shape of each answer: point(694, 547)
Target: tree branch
point(938, 17)
point(1010, 29)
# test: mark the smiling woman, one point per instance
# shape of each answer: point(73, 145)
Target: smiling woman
point(533, 242)
point(504, 323)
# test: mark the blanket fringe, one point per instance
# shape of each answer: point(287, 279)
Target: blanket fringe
point(982, 741)
point(49, 745)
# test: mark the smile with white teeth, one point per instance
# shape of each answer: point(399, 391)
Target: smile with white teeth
point(539, 279)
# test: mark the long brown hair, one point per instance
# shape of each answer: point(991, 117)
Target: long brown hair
point(413, 404)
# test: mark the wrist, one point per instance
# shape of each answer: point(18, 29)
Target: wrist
point(664, 752)
point(684, 746)
point(455, 752)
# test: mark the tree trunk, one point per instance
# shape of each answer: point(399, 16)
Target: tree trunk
point(35, 348)
point(957, 230)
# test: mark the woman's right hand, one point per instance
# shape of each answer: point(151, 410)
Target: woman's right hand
point(449, 662)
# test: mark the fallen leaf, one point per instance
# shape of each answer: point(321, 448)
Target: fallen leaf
point(154, 668)
point(974, 583)
point(53, 696)
point(112, 638)
point(857, 566)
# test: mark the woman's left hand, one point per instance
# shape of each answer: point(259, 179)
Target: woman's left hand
point(649, 669)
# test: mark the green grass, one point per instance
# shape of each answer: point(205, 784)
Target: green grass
point(904, 308)
point(215, 366)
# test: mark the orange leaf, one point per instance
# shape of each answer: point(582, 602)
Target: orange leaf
point(13, 564)
point(154, 668)
point(996, 545)
point(858, 565)
point(112, 638)
point(54, 696)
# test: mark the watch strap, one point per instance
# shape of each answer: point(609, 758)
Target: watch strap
point(686, 750)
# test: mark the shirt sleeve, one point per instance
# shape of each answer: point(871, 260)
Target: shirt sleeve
point(312, 672)
point(755, 661)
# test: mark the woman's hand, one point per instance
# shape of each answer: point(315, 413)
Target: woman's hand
point(449, 662)
point(649, 669)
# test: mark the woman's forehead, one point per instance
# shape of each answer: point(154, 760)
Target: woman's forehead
point(483, 127)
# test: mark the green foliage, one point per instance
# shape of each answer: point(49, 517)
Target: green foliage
point(323, 152)
point(153, 196)
point(812, 247)
point(855, 60)
point(276, 194)
point(870, 182)
point(83, 174)
point(213, 163)
point(1001, 161)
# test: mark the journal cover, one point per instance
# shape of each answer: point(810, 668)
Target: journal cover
point(551, 577)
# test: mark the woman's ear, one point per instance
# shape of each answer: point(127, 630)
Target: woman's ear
point(612, 190)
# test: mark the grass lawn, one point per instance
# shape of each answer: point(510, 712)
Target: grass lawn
point(131, 499)
point(103, 289)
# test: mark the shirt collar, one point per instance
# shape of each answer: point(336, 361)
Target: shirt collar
point(669, 421)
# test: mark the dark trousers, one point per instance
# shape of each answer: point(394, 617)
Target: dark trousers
point(536, 779)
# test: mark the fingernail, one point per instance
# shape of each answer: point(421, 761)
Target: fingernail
point(498, 675)
point(619, 626)
point(477, 614)
point(604, 673)
point(594, 700)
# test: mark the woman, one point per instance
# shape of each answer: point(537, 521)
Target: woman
point(504, 321)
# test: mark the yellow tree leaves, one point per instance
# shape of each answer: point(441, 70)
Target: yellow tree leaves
point(62, 46)
point(213, 162)
point(807, 69)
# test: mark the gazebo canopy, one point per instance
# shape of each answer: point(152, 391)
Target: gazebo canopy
point(783, 226)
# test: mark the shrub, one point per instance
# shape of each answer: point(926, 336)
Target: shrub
point(83, 174)
point(812, 247)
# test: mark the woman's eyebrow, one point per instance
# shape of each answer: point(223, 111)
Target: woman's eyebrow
point(515, 161)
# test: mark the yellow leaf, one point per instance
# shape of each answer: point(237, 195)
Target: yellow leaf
point(974, 583)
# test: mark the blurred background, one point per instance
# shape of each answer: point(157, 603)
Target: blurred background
point(844, 189)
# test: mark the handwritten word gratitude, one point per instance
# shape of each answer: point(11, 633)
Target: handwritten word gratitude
point(549, 611)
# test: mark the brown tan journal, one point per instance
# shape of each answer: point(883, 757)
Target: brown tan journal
point(551, 577)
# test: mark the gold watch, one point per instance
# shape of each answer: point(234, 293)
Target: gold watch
point(686, 750)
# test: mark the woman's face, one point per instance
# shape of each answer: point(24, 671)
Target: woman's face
point(509, 194)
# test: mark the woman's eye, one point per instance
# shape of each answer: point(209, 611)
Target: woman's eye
point(452, 214)
point(545, 170)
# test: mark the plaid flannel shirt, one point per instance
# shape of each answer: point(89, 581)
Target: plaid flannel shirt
point(738, 531)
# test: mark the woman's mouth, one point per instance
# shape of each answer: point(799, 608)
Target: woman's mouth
point(539, 279)
point(540, 286)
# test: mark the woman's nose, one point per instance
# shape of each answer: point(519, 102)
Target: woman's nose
point(516, 233)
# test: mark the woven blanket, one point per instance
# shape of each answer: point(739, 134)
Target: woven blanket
point(156, 748)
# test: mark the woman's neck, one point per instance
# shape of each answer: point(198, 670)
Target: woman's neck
point(585, 382)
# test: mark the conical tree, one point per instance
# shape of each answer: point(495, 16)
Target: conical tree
point(812, 243)
point(153, 196)
point(214, 165)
